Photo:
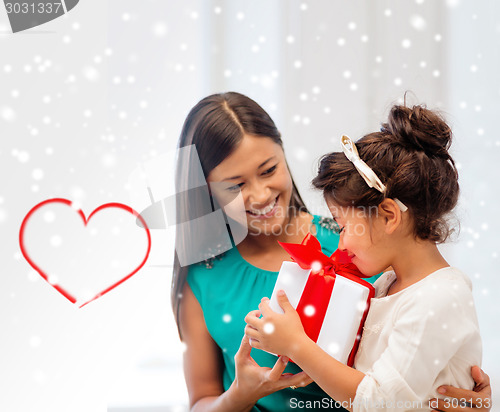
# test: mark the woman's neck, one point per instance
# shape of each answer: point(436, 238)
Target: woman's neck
point(414, 262)
point(292, 232)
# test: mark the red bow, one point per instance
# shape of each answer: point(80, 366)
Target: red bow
point(317, 292)
point(307, 253)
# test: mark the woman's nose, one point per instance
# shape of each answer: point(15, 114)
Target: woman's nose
point(259, 195)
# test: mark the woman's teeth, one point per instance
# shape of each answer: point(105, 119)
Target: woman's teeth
point(264, 211)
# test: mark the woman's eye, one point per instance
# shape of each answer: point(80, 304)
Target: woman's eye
point(270, 170)
point(234, 188)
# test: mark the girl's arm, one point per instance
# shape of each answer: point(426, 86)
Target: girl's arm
point(203, 367)
point(284, 334)
point(406, 370)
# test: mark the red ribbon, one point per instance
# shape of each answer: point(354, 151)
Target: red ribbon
point(317, 292)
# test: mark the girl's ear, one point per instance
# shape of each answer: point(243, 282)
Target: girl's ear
point(391, 214)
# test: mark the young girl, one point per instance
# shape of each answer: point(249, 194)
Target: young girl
point(390, 193)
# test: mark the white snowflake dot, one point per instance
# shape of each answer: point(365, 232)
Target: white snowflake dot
point(52, 279)
point(418, 22)
point(268, 328)
point(316, 266)
point(309, 310)
point(160, 29)
point(8, 114)
point(55, 240)
point(35, 341)
point(37, 174)
point(49, 216)
point(333, 348)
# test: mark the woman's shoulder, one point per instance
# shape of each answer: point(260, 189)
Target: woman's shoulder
point(326, 223)
point(211, 265)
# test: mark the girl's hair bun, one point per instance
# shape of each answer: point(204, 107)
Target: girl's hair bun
point(420, 129)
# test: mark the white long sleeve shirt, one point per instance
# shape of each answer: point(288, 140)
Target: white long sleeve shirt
point(415, 340)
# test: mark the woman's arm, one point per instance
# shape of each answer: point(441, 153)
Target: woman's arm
point(203, 367)
point(479, 398)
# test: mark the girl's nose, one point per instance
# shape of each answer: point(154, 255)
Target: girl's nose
point(341, 243)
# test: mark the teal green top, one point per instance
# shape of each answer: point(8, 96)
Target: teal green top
point(227, 288)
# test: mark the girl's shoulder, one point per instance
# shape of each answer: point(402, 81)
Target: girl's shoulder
point(445, 287)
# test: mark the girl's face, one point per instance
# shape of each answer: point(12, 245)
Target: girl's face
point(256, 169)
point(362, 237)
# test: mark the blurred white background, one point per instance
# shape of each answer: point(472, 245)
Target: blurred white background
point(86, 98)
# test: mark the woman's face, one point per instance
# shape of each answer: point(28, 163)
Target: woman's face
point(256, 169)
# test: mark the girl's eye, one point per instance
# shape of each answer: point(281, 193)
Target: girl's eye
point(270, 170)
point(338, 229)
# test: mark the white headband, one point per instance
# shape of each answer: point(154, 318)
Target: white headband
point(364, 170)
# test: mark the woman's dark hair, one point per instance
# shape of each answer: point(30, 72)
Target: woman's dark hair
point(215, 126)
point(410, 156)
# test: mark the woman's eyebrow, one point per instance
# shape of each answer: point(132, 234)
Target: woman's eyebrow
point(268, 160)
point(261, 165)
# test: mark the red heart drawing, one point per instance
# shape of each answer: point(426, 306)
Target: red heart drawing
point(67, 202)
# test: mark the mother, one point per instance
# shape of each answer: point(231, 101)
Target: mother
point(242, 159)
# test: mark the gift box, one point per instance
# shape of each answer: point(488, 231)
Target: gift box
point(329, 295)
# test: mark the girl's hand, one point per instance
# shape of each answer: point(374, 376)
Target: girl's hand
point(275, 332)
point(464, 400)
point(254, 382)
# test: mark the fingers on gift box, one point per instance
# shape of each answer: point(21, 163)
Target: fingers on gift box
point(329, 296)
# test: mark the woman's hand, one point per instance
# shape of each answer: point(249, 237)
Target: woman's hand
point(275, 332)
point(464, 400)
point(254, 382)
